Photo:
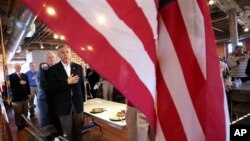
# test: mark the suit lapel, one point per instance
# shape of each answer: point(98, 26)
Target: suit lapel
point(73, 69)
point(18, 76)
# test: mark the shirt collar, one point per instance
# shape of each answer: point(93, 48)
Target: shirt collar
point(18, 74)
point(33, 71)
point(65, 64)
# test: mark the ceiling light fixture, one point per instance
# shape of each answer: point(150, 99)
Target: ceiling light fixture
point(57, 46)
point(62, 37)
point(82, 48)
point(211, 2)
point(51, 11)
point(246, 29)
point(90, 48)
point(101, 19)
point(41, 46)
point(56, 36)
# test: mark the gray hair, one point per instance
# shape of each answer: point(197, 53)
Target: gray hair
point(58, 50)
point(17, 64)
point(50, 53)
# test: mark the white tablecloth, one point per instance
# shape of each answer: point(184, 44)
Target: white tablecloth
point(110, 110)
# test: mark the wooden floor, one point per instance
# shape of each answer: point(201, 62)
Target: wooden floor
point(108, 133)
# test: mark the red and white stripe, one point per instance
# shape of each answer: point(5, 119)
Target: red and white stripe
point(189, 75)
point(174, 78)
point(128, 45)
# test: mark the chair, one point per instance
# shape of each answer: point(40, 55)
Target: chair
point(40, 134)
point(240, 103)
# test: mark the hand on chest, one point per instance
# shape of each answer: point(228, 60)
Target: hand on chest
point(22, 79)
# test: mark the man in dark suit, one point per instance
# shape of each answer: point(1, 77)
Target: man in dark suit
point(93, 78)
point(20, 91)
point(65, 83)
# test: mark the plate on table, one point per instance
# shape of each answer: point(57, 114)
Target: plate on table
point(115, 118)
point(120, 114)
point(97, 110)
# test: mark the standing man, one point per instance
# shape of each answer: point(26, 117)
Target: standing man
point(43, 99)
point(20, 91)
point(65, 81)
point(107, 88)
point(32, 74)
point(238, 64)
point(93, 78)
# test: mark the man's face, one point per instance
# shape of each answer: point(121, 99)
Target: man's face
point(51, 59)
point(239, 50)
point(17, 67)
point(64, 54)
point(32, 67)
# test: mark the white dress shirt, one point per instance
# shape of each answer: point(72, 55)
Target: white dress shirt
point(67, 68)
point(19, 75)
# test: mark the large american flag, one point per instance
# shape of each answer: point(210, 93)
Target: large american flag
point(160, 54)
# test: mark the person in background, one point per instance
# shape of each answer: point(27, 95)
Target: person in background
point(247, 71)
point(44, 98)
point(41, 97)
point(227, 83)
point(93, 79)
point(107, 88)
point(42, 102)
point(138, 126)
point(20, 91)
point(238, 63)
point(32, 74)
point(225, 75)
point(65, 83)
point(4, 91)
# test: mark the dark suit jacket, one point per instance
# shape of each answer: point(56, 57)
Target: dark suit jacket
point(19, 92)
point(93, 78)
point(60, 90)
point(247, 71)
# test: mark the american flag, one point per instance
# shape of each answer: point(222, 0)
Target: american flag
point(188, 79)
point(163, 61)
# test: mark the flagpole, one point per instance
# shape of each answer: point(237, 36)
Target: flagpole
point(5, 67)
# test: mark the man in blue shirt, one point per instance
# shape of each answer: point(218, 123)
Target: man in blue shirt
point(32, 74)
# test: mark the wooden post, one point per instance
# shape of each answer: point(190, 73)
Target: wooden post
point(233, 28)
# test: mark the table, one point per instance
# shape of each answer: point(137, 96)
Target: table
point(110, 109)
point(245, 86)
